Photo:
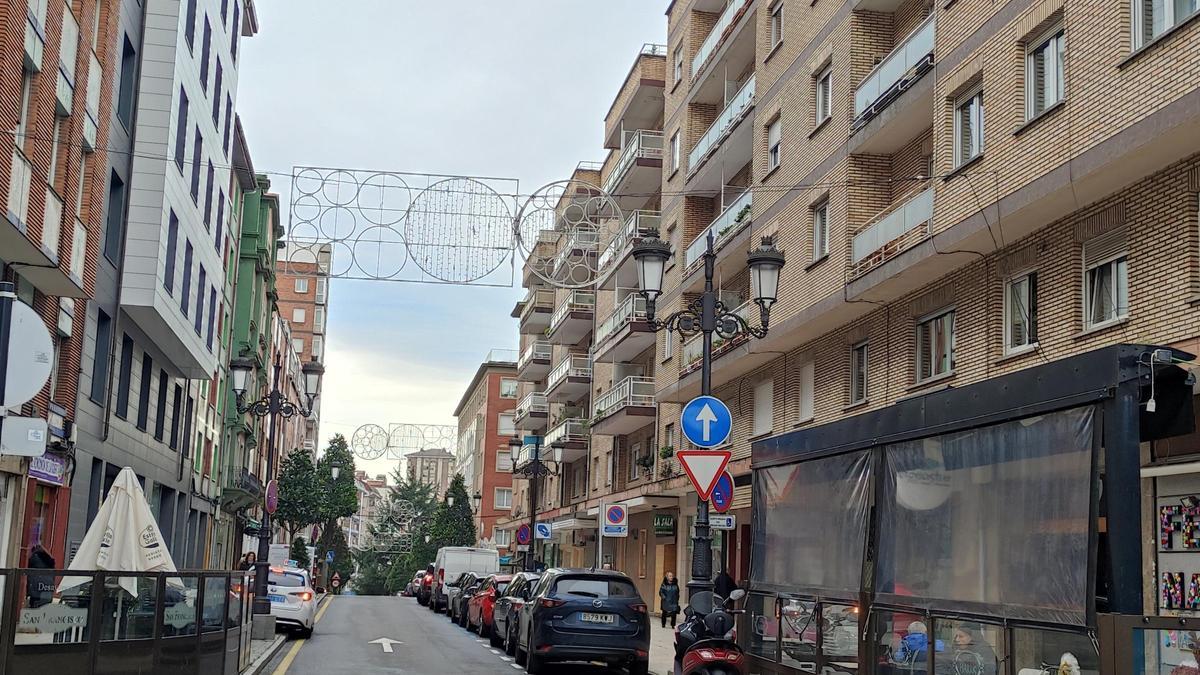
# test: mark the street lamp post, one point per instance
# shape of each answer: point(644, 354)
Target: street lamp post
point(707, 315)
point(274, 405)
point(535, 468)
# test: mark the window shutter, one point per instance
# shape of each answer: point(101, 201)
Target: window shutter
point(1104, 246)
point(1147, 20)
point(964, 137)
point(764, 395)
point(1039, 80)
point(806, 390)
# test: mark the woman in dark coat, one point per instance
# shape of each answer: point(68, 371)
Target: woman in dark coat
point(668, 592)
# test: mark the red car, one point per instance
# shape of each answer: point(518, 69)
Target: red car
point(480, 606)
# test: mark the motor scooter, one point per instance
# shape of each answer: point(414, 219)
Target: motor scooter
point(704, 640)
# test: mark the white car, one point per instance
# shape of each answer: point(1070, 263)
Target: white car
point(293, 601)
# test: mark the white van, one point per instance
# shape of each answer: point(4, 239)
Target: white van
point(453, 561)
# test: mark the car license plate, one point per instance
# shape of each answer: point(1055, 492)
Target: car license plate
point(598, 618)
point(276, 598)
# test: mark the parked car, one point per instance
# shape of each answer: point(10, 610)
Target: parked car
point(506, 609)
point(293, 601)
point(453, 561)
point(584, 615)
point(425, 590)
point(414, 584)
point(454, 591)
point(460, 601)
point(480, 606)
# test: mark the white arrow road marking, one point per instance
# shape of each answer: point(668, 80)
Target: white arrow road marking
point(386, 643)
point(706, 417)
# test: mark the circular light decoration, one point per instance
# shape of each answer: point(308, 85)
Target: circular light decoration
point(562, 230)
point(369, 441)
point(458, 230)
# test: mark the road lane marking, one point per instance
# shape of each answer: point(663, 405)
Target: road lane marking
point(496, 652)
point(506, 658)
point(518, 667)
point(291, 655)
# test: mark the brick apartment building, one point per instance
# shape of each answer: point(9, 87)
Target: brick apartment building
point(485, 426)
point(946, 349)
point(302, 284)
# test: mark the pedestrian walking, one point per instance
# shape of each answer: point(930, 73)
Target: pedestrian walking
point(248, 561)
point(668, 593)
point(40, 587)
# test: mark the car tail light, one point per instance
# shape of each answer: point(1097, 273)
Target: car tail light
point(638, 607)
point(550, 603)
point(641, 652)
point(428, 578)
point(303, 595)
point(441, 575)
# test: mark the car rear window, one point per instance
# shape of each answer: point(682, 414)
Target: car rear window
point(500, 586)
point(595, 587)
point(287, 580)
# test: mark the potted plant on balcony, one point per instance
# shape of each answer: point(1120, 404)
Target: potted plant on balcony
point(667, 469)
point(666, 451)
point(645, 461)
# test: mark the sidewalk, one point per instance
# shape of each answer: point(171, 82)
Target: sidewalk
point(662, 647)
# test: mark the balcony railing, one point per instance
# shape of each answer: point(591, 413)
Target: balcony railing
point(585, 238)
point(575, 365)
point(501, 356)
point(631, 391)
point(538, 351)
point(535, 299)
point(632, 308)
point(578, 301)
point(534, 402)
point(18, 188)
point(730, 221)
point(641, 144)
point(917, 210)
point(714, 39)
point(733, 113)
point(909, 53)
point(639, 224)
point(693, 350)
point(651, 49)
point(52, 223)
point(571, 430)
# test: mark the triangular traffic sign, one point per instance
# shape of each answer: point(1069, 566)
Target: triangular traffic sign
point(704, 468)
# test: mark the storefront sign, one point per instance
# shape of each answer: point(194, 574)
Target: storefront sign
point(664, 525)
point(50, 469)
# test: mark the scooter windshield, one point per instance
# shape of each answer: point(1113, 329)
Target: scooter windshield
point(702, 602)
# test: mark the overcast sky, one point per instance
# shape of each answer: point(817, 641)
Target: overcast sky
point(512, 88)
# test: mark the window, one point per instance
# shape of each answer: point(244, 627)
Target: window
point(674, 152)
point(228, 120)
point(858, 373)
point(237, 10)
point(508, 387)
point(635, 459)
point(669, 436)
point(123, 376)
point(298, 345)
point(764, 407)
point(820, 230)
point(208, 196)
point(181, 126)
point(199, 319)
point(504, 498)
point(968, 128)
point(114, 218)
point(298, 315)
point(143, 413)
point(100, 357)
point(172, 243)
point(776, 24)
point(176, 412)
point(52, 175)
point(678, 63)
point(1044, 85)
point(773, 138)
point(504, 460)
point(319, 319)
point(204, 54)
point(78, 250)
point(197, 151)
point(220, 219)
point(1106, 279)
point(824, 90)
point(189, 27)
point(302, 285)
point(26, 99)
point(935, 346)
point(318, 347)
point(668, 345)
point(1020, 312)
point(502, 538)
point(127, 86)
point(804, 391)
point(506, 425)
point(320, 288)
point(1152, 18)
point(160, 415)
point(216, 108)
point(212, 316)
point(185, 297)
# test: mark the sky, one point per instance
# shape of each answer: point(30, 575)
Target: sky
point(511, 88)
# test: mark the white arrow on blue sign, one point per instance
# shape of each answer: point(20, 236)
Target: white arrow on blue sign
point(706, 422)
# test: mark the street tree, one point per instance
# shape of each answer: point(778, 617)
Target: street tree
point(300, 495)
point(333, 539)
point(338, 498)
point(299, 553)
point(453, 523)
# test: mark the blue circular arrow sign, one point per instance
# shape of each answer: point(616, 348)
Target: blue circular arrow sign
point(706, 422)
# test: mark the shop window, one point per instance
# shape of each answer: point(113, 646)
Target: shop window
point(1163, 651)
point(764, 626)
point(902, 641)
point(798, 624)
point(968, 647)
point(839, 638)
point(1034, 650)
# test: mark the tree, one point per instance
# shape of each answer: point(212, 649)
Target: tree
point(454, 525)
point(299, 553)
point(300, 495)
point(338, 498)
point(333, 539)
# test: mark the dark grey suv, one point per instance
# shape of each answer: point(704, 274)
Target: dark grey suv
point(584, 615)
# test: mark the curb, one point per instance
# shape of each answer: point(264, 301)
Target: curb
point(261, 662)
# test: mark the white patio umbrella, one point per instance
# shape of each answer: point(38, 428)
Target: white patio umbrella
point(123, 538)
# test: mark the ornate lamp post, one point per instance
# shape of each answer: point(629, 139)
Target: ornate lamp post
point(274, 405)
point(707, 315)
point(534, 469)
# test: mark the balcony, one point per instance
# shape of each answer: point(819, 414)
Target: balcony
point(35, 42)
point(532, 412)
point(534, 362)
point(540, 257)
point(625, 408)
point(93, 102)
point(731, 221)
point(579, 248)
point(625, 333)
point(891, 234)
point(52, 225)
point(613, 267)
point(639, 103)
point(573, 434)
point(637, 173)
point(536, 310)
point(241, 490)
point(693, 349)
point(573, 318)
point(727, 129)
point(570, 379)
point(725, 25)
point(892, 104)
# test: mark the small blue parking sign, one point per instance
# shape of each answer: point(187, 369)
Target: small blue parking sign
point(329, 558)
point(706, 422)
point(542, 530)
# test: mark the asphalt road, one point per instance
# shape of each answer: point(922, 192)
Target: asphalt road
point(428, 644)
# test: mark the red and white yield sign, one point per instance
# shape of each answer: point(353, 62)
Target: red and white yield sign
point(704, 468)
